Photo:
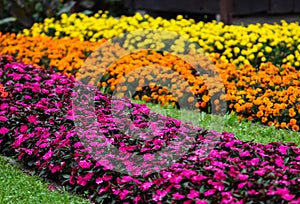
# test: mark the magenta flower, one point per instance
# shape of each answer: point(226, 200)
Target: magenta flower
point(159, 195)
point(198, 178)
point(48, 155)
point(201, 202)
point(32, 119)
point(209, 192)
point(84, 164)
point(243, 177)
point(146, 185)
point(219, 175)
point(282, 149)
point(245, 154)
point(99, 180)
point(4, 130)
point(3, 119)
point(226, 198)
point(175, 179)
point(287, 197)
point(188, 173)
point(126, 179)
point(260, 172)
point(23, 128)
point(178, 196)
point(241, 185)
point(254, 161)
point(123, 194)
point(148, 157)
point(279, 162)
point(56, 168)
point(193, 194)
point(82, 180)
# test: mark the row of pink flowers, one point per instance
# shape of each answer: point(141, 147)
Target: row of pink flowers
point(108, 157)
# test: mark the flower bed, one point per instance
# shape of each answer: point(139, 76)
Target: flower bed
point(239, 45)
point(233, 172)
point(63, 55)
point(268, 94)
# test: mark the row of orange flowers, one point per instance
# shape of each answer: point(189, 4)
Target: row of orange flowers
point(65, 55)
point(268, 94)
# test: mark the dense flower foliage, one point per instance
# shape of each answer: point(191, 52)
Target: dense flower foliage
point(240, 45)
point(64, 55)
point(268, 94)
point(232, 172)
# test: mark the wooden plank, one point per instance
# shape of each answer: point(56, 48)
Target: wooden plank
point(281, 6)
point(189, 6)
point(226, 11)
point(246, 7)
point(296, 6)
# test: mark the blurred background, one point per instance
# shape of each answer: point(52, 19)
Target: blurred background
point(16, 15)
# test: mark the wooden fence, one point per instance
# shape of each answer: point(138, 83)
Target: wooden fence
point(226, 8)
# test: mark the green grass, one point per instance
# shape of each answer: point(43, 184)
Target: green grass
point(16, 187)
point(243, 130)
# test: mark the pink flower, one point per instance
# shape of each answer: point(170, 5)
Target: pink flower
point(193, 194)
point(226, 197)
point(243, 177)
point(166, 174)
point(178, 196)
point(4, 130)
point(48, 155)
point(188, 173)
point(107, 177)
point(123, 194)
point(217, 185)
point(23, 128)
point(245, 154)
point(209, 192)
point(148, 157)
point(260, 172)
point(254, 161)
point(3, 119)
point(279, 162)
point(99, 180)
point(201, 202)
point(253, 192)
point(82, 180)
point(219, 175)
point(159, 195)
point(282, 149)
point(198, 178)
point(175, 179)
point(32, 119)
point(84, 164)
point(241, 185)
point(56, 168)
point(287, 196)
point(146, 185)
point(126, 179)
point(72, 180)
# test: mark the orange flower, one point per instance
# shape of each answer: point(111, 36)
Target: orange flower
point(295, 127)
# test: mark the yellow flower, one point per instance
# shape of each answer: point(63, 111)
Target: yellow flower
point(268, 49)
